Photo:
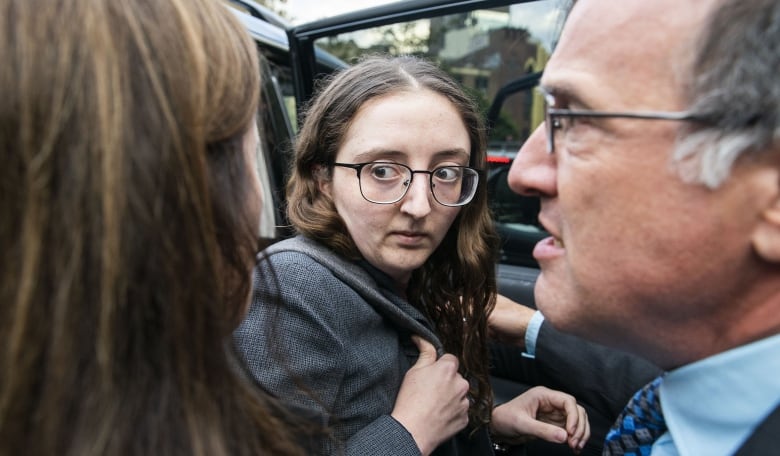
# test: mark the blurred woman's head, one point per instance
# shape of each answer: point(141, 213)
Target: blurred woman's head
point(403, 111)
point(129, 215)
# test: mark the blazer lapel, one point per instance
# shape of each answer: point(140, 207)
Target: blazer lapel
point(396, 310)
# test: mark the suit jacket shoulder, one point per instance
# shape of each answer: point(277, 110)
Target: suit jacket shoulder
point(765, 439)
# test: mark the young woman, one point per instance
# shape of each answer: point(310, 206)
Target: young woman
point(395, 257)
point(129, 216)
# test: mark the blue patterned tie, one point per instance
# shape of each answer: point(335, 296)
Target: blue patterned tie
point(639, 425)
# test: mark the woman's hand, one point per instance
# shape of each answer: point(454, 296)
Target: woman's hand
point(544, 413)
point(432, 403)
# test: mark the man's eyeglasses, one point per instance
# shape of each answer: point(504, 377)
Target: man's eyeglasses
point(387, 182)
point(558, 121)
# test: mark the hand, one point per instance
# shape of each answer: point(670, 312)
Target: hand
point(544, 413)
point(508, 321)
point(432, 403)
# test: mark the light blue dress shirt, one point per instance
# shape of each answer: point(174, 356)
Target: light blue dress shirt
point(712, 406)
point(532, 333)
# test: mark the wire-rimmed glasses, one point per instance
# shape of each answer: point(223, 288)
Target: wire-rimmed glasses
point(558, 121)
point(388, 182)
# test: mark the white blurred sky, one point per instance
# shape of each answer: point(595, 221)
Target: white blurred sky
point(540, 18)
point(299, 11)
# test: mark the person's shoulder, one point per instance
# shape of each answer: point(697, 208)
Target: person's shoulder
point(300, 250)
point(296, 247)
point(296, 250)
point(298, 261)
point(764, 438)
point(294, 243)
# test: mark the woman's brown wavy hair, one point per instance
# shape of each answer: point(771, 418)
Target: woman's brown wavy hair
point(127, 243)
point(456, 286)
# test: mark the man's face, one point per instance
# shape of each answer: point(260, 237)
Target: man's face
point(637, 257)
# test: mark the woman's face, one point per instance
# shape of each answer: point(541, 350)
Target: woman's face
point(417, 128)
point(254, 196)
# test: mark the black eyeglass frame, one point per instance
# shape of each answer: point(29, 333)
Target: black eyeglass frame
point(552, 124)
point(358, 167)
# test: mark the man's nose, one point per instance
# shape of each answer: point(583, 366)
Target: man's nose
point(533, 171)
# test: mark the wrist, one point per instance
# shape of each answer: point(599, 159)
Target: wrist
point(423, 444)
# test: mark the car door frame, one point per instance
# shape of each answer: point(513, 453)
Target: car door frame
point(301, 38)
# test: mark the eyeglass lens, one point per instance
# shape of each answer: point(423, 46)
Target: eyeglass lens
point(549, 102)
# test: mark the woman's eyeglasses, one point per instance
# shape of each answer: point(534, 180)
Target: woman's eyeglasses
point(388, 182)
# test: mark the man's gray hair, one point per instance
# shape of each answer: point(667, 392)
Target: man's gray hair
point(736, 86)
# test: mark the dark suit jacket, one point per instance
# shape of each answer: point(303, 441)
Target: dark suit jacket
point(765, 439)
point(602, 379)
point(605, 379)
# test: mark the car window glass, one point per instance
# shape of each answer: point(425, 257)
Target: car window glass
point(273, 151)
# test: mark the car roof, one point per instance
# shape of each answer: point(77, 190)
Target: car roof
point(270, 30)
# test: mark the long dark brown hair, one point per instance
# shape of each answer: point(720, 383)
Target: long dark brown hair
point(456, 286)
point(127, 245)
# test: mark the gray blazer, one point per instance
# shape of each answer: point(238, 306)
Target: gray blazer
point(331, 336)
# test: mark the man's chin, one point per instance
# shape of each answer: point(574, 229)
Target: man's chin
point(557, 306)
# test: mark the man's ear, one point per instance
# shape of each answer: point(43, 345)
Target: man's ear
point(766, 237)
point(322, 176)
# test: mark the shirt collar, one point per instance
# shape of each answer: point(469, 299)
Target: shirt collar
point(713, 405)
